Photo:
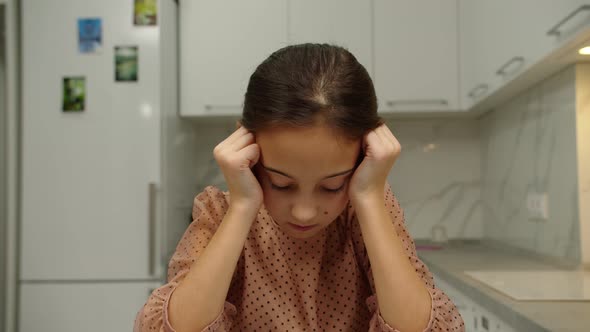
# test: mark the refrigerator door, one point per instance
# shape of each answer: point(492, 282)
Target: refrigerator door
point(81, 307)
point(88, 210)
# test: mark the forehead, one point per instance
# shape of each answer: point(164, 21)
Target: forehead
point(312, 151)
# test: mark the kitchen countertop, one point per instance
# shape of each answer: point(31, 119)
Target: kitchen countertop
point(461, 255)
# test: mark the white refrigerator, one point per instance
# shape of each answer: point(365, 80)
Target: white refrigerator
point(91, 235)
point(3, 167)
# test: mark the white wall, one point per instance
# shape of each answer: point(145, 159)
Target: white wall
point(583, 153)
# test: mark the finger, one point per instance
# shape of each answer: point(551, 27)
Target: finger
point(389, 134)
point(382, 135)
point(388, 137)
point(235, 135)
point(394, 139)
point(383, 140)
point(242, 141)
point(371, 140)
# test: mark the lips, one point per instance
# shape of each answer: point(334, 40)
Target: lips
point(302, 228)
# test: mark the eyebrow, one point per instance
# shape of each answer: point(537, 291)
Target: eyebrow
point(289, 176)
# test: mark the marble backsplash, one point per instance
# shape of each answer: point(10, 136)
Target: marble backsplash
point(437, 176)
point(529, 145)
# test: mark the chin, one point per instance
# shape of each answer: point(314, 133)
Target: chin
point(306, 235)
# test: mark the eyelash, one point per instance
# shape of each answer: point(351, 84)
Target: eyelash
point(331, 191)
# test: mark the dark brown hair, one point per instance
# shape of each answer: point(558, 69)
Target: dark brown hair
point(308, 84)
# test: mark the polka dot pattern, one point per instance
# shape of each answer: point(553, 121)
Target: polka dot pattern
point(286, 284)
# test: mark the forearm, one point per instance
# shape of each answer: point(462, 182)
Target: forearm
point(403, 299)
point(200, 297)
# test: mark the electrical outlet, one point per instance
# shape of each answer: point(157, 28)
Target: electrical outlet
point(537, 204)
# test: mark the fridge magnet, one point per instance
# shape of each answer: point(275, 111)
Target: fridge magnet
point(74, 94)
point(126, 63)
point(89, 35)
point(145, 12)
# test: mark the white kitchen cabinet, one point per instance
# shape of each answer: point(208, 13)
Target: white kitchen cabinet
point(424, 56)
point(475, 316)
point(496, 45)
point(409, 47)
point(64, 307)
point(560, 20)
point(491, 45)
point(221, 43)
point(343, 22)
point(548, 25)
point(479, 46)
point(416, 55)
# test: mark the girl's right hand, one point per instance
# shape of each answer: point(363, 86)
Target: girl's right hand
point(236, 156)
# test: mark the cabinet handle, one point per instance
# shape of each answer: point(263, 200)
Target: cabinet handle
point(209, 107)
point(478, 91)
point(392, 103)
point(152, 231)
point(517, 59)
point(555, 30)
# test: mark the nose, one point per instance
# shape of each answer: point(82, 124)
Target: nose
point(303, 212)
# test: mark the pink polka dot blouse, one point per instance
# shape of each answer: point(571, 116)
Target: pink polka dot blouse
point(286, 284)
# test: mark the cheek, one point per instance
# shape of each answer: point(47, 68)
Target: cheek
point(274, 203)
point(338, 205)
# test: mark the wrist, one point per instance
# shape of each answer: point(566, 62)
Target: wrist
point(244, 209)
point(368, 200)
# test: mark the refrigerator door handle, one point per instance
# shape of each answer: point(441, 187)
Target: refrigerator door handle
point(152, 229)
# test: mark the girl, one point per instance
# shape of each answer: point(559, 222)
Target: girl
point(309, 236)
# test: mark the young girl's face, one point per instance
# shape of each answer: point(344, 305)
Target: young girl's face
point(304, 174)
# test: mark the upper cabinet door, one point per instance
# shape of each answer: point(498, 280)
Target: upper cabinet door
point(561, 20)
point(549, 24)
point(480, 49)
point(416, 57)
point(221, 46)
point(345, 23)
point(497, 47)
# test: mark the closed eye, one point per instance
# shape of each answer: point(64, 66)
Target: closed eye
point(286, 188)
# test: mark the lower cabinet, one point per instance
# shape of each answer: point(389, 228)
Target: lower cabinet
point(476, 317)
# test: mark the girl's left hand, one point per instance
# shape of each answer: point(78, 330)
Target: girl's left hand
point(381, 150)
